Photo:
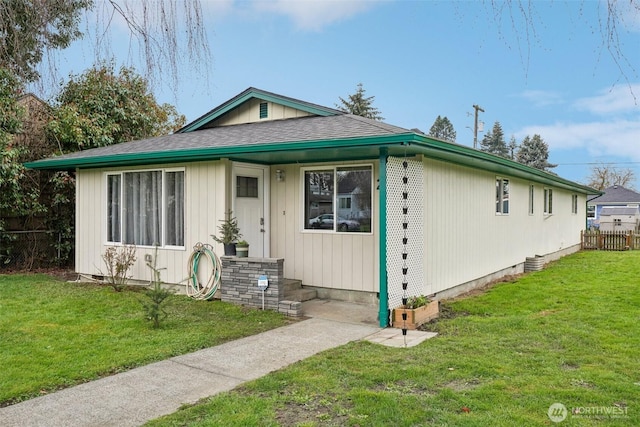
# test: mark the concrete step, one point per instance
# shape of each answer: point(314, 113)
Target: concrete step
point(291, 285)
point(300, 295)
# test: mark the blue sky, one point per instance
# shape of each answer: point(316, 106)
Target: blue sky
point(420, 59)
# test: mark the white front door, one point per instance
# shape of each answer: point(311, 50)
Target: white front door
point(250, 201)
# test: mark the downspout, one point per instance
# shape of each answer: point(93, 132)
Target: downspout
point(383, 313)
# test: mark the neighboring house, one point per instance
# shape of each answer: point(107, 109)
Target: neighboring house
point(614, 196)
point(619, 218)
point(463, 217)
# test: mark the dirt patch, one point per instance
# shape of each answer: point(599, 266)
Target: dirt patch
point(484, 288)
point(314, 410)
point(463, 384)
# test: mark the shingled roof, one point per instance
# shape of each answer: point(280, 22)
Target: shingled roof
point(616, 194)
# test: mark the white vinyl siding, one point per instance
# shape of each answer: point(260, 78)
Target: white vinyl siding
point(464, 238)
point(254, 111)
point(342, 261)
point(205, 204)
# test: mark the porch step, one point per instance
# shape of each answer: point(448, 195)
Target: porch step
point(293, 291)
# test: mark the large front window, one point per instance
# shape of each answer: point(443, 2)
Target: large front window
point(146, 208)
point(338, 199)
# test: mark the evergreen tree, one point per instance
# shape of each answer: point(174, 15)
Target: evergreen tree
point(513, 147)
point(360, 105)
point(443, 129)
point(534, 152)
point(493, 141)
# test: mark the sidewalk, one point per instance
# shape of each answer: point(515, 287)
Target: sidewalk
point(142, 394)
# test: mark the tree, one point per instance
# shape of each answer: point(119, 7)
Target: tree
point(18, 195)
point(512, 147)
point(534, 152)
point(32, 31)
point(523, 19)
point(360, 105)
point(493, 141)
point(100, 108)
point(443, 129)
point(29, 30)
point(606, 175)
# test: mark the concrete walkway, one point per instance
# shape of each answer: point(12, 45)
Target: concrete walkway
point(142, 394)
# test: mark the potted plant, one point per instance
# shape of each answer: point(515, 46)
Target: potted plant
point(419, 309)
point(229, 234)
point(242, 249)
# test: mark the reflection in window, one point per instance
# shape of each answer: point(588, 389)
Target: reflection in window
point(346, 188)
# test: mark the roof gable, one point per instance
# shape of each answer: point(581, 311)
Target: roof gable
point(249, 99)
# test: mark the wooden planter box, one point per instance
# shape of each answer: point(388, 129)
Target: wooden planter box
point(415, 316)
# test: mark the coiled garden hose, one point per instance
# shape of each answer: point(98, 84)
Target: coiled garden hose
point(195, 289)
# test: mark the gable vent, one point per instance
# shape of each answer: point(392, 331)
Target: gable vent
point(264, 110)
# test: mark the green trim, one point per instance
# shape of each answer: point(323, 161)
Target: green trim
point(383, 308)
point(259, 94)
point(327, 150)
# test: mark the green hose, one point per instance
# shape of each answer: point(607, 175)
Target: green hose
point(195, 289)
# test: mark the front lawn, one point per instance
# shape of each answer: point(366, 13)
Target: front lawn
point(55, 334)
point(568, 335)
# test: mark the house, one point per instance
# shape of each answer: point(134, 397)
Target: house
point(614, 196)
point(619, 218)
point(442, 217)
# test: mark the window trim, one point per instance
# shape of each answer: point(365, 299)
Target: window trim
point(334, 167)
point(163, 230)
point(500, 199)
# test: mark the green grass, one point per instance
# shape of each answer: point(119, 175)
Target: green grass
point(569, 334)
point(55, 334)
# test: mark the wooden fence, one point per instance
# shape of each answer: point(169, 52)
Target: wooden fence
point(609, 240)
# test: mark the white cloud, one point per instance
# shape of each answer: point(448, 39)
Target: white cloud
point(618, 99)
point(542, 98)
point(617, 137)
point(313, 15)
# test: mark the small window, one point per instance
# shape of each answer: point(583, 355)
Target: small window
point(264, 110)
point(531, 193)
point(246, 186)
point(591, 211)
point(502, 196)
point(574, 203)
point(548, 201)
point(617, 222)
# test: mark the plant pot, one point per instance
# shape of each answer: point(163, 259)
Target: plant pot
point(415, 316)
point(230, 249)
point(242, 251)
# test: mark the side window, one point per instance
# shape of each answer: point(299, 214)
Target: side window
point(531, 200)
point(114, 194)
point(574, 203)
point(548, 201)
point(502, 196)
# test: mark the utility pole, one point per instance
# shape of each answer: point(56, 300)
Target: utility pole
point(475, 125)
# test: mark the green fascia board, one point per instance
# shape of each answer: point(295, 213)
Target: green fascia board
point(335, 149)
point(259, 94)
point(467, 156)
